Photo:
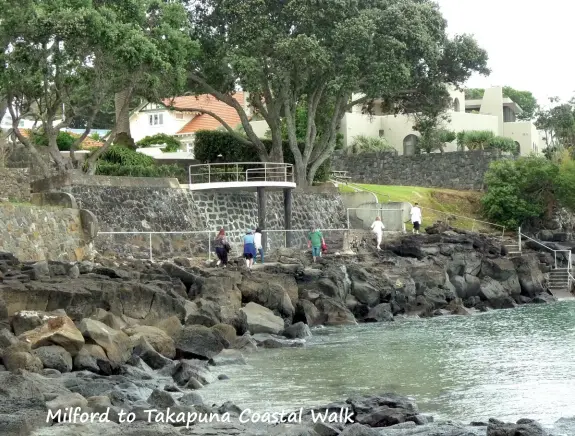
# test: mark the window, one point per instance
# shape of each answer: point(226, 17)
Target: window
point(179, 116)
point(381, 133)
point(456, 105)
point(190, 148)
point(156, 119)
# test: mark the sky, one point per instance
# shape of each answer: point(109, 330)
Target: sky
point(529, 43)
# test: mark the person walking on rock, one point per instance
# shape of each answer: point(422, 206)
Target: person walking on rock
point(258, 243)
point(315, 241)
point(222, 248)
point(415, 214)
point(249, 248)
point(377, 228)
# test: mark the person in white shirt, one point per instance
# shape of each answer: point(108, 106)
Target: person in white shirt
point(258, 243)
point(415, 214)
point(377, 228)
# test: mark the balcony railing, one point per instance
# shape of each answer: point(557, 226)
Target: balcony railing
point(254, 172)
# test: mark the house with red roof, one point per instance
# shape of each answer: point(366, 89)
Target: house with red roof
point(182, 117)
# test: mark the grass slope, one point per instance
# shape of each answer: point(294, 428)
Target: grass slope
point(436, 204)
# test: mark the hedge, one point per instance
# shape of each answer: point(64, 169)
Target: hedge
point(115, 169)
point(208, 144)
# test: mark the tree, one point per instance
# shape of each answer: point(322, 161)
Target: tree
point(326, 57)
point(520, 190)
point(525, 99)
point(64, 60)
point(558, 123)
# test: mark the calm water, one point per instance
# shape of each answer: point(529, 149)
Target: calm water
point(508, 364)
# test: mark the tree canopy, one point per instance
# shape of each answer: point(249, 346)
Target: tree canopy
point(558, 123)
point(525, 99)
point(327, 57)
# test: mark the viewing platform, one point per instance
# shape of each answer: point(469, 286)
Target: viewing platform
point(244, 176)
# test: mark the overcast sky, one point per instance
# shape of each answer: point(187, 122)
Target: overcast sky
point(529, 43)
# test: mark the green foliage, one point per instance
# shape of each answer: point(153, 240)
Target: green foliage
point(104, 168)
point(64, 140)
point(172, 144)
point(518, 190)
point(318, 55)
point(209, 144)
point(96, 137)
point(486, 140)
point(369, 144)
point(474, 93)
point(566, 181)
point(124, 156)
point(435, 139)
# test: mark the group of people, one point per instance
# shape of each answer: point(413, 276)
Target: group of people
point(252, 242)
point(252, 247)
point(415, 216)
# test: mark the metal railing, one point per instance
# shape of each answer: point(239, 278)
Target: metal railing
point(392, 218)
point(150, 244)
point(567, 253)
point(241, 172)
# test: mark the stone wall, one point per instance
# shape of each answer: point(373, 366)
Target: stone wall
point(454, 170)
point(147, 209)
point(37, 233)
point(15, 184)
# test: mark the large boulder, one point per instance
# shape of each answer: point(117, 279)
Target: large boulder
point(523, 427)
point(56, 331)
point(26, 320)
point(196, 341)
point(333, 312)
point(307, 312)
point(19, 356)
point(261, 319)
point(530, 276)
point(149, 355)
point(171, 326)
point(494, 294)
point(379, 313)
point(54, 357)
point(226, 331)
point(220, 287)
point(266, 290)
point(115, 343)
point(466, 286)
point(503, 271)
point(203, 312)
point(299, 330)
point(157, 338)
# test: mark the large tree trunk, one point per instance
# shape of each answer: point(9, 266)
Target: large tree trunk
point(122, 106)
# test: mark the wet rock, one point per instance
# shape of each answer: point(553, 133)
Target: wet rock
point(358, 430)
point(334, 313)
point(381, 312)
point(298, 330)
point(307, 312)
point(324, 429)
point(54, 357)
point(494, 293)
point(228, 357)
point(56, 331)
point(244, 344)
point(262, 320)
point(523, 427)
point(191, 399)
point(115, 343)
point(198, 341)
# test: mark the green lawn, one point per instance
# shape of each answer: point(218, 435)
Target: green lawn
point(436, 204)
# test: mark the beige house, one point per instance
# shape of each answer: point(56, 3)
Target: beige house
point(493, 112)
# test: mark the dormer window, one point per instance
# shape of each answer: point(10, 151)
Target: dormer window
point(156, 119)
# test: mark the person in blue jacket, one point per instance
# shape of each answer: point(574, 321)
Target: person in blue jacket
point(249, 248)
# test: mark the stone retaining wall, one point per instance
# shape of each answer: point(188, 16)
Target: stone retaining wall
point(454, 170)
point(147, 209)
point(38, 233)
point(15, 184)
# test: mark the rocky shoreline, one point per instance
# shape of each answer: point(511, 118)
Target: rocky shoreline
point(125, 337)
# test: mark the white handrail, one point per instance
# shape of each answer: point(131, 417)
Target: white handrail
point(269, 170)
point(554, 251)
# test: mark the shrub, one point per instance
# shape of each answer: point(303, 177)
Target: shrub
point(485, 140)
point(118, 154)
point(520, 190)
point(115, 169)
point(172, 144)
point(209, 144)
point(64, 140)
point(435, 139)
point(367, 144)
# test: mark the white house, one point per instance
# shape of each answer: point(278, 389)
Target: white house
point(180, 117)
point(493, 112)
